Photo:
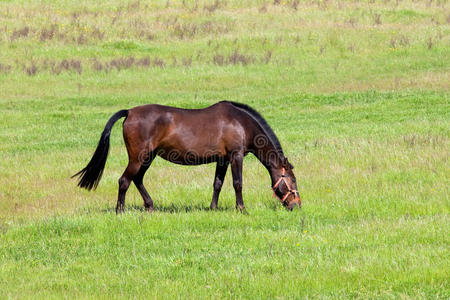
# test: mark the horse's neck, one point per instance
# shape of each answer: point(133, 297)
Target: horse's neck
point(269, 156)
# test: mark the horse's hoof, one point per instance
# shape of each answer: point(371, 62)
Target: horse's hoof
point(120, 209)
point(242, 210)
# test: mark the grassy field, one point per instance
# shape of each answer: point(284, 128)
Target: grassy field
point(357, 92)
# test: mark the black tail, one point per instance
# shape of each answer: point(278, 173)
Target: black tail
point(91, 174)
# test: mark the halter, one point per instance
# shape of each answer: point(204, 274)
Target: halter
point(290, 191)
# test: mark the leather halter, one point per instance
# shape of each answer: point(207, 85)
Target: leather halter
point(290, 191)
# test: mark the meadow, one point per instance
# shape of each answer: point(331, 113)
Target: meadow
point(357, 92)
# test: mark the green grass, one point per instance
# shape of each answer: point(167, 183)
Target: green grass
point(200, 254)
point(360, 104)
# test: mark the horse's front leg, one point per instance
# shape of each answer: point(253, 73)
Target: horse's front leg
point(219, 177)
point(236, 170)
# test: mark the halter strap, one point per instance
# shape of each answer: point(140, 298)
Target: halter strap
point(290, 191)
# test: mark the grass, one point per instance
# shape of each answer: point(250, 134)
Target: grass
point(357, 93)
point(223, 254)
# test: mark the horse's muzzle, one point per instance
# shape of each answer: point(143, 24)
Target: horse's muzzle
point(294, 205)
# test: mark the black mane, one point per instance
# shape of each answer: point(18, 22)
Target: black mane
point(262, 123)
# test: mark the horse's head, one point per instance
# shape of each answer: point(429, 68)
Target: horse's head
point(285, 187)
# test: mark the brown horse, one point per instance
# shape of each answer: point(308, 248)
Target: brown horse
point(223, 133)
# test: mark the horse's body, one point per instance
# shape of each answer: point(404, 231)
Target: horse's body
point(223, 133)
point(174, 132)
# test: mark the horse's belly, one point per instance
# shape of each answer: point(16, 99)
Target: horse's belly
point(192, 154)
point(189, 157)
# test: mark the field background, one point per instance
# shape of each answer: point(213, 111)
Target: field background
point(357, 92)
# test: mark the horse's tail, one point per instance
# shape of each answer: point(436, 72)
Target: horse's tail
point(91, 174)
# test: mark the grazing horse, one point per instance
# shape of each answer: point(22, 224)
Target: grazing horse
point(223, 133)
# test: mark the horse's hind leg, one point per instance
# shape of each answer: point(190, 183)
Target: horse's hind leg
point(124, 183)
point(138, 178)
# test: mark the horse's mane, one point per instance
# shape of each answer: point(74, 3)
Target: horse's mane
point(262, 123)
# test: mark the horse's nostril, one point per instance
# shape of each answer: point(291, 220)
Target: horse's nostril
point(293, 205)
point(299, 202)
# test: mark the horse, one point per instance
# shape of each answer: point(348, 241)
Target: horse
point(223, 133)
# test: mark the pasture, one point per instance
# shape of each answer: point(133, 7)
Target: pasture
point(357, 92)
